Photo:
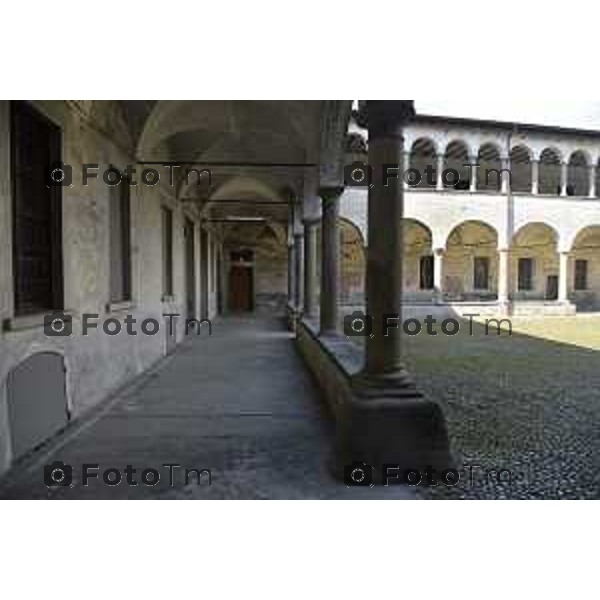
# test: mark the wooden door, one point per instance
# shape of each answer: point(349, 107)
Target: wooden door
point(241, 296)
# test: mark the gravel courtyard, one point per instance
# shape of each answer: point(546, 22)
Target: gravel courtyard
point(524, 407)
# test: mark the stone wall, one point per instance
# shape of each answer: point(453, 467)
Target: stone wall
point(98, 363)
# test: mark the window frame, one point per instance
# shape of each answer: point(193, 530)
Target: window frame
point(53, 138)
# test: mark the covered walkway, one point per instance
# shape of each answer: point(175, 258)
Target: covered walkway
point(239, 403)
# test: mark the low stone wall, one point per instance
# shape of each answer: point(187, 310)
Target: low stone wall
point(376, 426)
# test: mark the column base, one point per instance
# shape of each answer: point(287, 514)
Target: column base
point(396, 384)
point(388, 421)
point(292, 316)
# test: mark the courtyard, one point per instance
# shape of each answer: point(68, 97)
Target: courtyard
point(526, 403)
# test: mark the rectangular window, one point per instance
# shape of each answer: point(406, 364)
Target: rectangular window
point(167, 251)
point(426, 273)
point(525, 275)
point(581, 272)
point(481, 272)
point(37, 212)
point(120, 242)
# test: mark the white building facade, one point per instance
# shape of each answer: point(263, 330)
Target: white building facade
point(519, 232)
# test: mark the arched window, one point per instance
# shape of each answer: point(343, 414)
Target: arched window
point(457, 156)
point(488, 173)
point(520, 168)
point(578, 179)
point(423, 155)
point(549, 172)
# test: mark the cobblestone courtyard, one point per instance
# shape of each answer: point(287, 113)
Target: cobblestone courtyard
point(528, 403)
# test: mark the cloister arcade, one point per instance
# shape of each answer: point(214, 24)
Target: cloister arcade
point(517, 230)
point(467, 268)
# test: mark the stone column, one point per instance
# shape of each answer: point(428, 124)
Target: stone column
point(503, 277)
point(438, 274)
point(385, 248)
point(299, 270)
point(440, 169)
point(564, 177)
point(535, 177)
point(387, 416)
point(330, 258)
point(505, 184)
point(592, 181)
point(563, 277)
point(310, 268)
point(473, 169)
point(291, 273)
point(404, 166)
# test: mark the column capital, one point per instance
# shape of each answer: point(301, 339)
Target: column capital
point(385, 118)
point(439, 251)
point(331, 192)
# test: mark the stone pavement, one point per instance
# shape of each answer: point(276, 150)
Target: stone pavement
point(240, 403)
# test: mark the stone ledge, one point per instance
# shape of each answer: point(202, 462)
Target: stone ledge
point(376, 428)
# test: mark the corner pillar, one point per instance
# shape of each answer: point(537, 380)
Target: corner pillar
point(503, 280)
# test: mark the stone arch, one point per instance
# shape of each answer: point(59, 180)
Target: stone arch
point(37, 400)
point(584, 266)
point(534, 263)
point(549, 172)
point(471, 261)
point(578, 181)
point(417, 263)
point(456, 156)
point(422, 155)
point(520, 165)
point(490, 164)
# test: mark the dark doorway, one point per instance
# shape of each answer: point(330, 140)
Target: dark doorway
point(190, 269)
point(481, 272)
point(426, 272)
point(241, 293)
point(37, 401)
point(552, 287)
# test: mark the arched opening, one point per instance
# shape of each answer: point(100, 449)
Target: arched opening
point(37, 401)
point(422, 156)
point(488, 173)
point(520, 166)
point(457, 156)
point(584, 265)
point(534, 263)
point(255, 268)
point(578, 179)
point(418, 263)
point(549, 176)
point(471, 262)
point(352, 264)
